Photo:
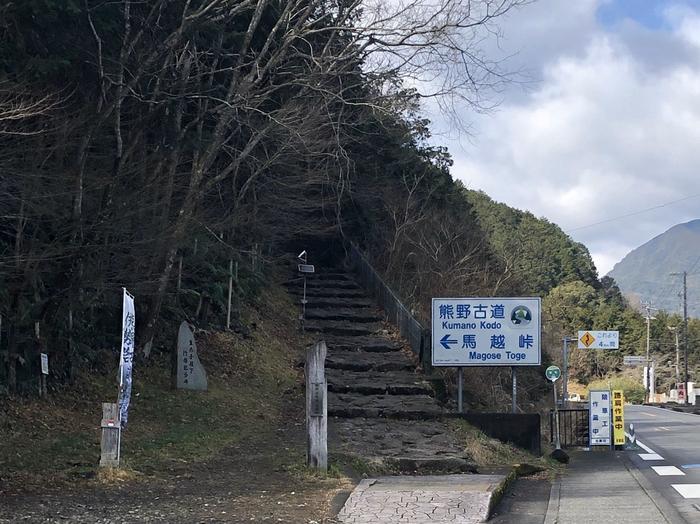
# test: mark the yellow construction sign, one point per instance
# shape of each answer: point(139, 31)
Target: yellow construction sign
point(618, 417)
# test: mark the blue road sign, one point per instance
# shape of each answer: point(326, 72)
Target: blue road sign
point(492, 331)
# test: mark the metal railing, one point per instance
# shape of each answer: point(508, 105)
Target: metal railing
point(573, 427)
point(409, 327)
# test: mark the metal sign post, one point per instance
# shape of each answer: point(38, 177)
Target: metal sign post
point(565, 365)
point(304, 269)
point(553, 373)
point(460, 379)
point(514, 379)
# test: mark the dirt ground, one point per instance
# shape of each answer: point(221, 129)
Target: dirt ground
point(258, 480)
point(235, 453)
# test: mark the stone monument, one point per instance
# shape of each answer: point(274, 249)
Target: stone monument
point(190, 373)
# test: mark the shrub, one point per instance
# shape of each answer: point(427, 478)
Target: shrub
point(633, 389)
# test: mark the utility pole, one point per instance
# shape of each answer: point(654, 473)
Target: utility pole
point(565, 374)
point(685, 333)
point(648, 308)
point(684, 274)
point(674, 330)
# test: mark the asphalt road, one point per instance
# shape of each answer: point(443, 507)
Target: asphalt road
point(669, 456)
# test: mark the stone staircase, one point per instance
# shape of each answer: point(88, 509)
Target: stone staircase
point(381, 409)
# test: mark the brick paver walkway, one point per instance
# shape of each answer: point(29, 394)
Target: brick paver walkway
point(421, 500)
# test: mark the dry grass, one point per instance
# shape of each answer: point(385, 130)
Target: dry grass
point(250, 379)
point(489, 452)
point(112, 476)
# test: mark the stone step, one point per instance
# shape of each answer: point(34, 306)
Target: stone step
point(363, 361)
point(344, 303)
point(339, 327)
point(408, 446)
point(346, 314)
point(370, 344)
point(377, 383)
point(426, 465)
point(413, 407)
point(329, 292)
point(329, 274)
point(317, 284)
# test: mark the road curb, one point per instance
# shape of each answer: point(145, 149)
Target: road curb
point(552, 516)
point(499, 491)
point(666, 509)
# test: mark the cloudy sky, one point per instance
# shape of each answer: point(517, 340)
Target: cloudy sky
point(608, 125)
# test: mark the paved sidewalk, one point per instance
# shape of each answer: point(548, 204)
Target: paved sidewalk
point(598, 486)
point(463, 499)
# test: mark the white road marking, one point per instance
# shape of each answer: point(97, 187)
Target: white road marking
point(650, 456)
point(666, 471)
point(688, 491)
point(663, 428)
point(641, 444)
point(647, 414)
point(666, 411)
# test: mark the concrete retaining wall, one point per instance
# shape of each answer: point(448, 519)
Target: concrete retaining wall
point(521, 429)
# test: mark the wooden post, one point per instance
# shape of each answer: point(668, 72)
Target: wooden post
point(111, 435)
point(316, 407)
point(237, 309)
point(230, 293)
point(43, 373)
point(179, 274)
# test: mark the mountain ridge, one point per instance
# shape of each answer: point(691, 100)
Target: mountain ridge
point(645, 271)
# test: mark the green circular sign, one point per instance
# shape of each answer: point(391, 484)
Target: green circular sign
point(552, 373)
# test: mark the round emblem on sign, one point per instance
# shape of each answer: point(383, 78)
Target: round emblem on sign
point(552, 373)
point(521, 316)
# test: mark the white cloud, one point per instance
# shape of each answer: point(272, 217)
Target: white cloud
point(605, 133)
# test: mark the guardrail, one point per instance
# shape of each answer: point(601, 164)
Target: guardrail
point(409, 327)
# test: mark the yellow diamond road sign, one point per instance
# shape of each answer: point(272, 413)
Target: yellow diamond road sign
point(590, 339)
point(587, 339)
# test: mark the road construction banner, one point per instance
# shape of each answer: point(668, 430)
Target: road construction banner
point(600, 418)
point(618, 407)
point(126, 359)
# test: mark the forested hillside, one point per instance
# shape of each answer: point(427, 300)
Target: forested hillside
point(540, 259)
point(537, 254)
point(155, 145)
point(152, 145)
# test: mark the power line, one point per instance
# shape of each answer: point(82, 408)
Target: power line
point(612, 219)
point(670, 286)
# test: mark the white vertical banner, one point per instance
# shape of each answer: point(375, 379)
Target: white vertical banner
point(600, 417)
point(126, 358)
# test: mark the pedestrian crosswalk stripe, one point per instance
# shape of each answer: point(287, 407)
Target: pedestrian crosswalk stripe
point(688, 491)
point(666, 471)
point(650, 456)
